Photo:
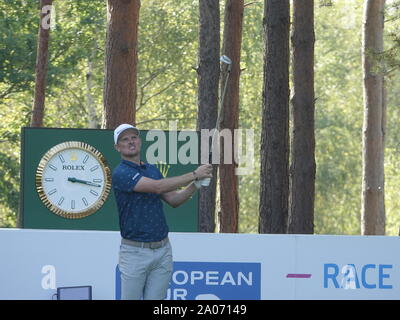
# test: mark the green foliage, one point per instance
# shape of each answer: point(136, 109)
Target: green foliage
point(8, 182)
point(392, 27)
point(17, 46)
point(392, 154)
point(79, 37)
point(14, 114)
point(167, 90)
point(338, 118)
point(167, 57)
point(251, 79)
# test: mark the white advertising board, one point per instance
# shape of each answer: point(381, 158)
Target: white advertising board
point(34, 263)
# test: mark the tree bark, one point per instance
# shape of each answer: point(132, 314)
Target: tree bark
point(302, 171)
point(120, 88)
point(93, 121)
point(229, 119)
point(373, 208)
point(274, 175)
point(42, 60)
point(208, 80)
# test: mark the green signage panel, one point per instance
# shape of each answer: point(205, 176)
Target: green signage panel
point(91, 146)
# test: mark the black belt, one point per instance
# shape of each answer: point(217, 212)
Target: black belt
point(149, 245)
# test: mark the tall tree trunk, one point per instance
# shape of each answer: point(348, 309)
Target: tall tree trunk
point(274, 175)
point(93, 121)
point(208, 80)
point(120, 88)
point(42, 60)
point(373, 208)
point(229, 119)
point(302, 171)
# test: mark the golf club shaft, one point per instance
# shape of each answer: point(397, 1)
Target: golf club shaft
point(220, 109)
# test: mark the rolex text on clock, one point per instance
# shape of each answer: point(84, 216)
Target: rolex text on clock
point(73, 179)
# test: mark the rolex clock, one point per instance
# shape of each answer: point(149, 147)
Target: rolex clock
point(73, 179)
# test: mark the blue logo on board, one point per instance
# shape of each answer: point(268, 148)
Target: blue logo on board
point(211, 281)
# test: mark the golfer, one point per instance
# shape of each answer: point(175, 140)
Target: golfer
point(145, 257)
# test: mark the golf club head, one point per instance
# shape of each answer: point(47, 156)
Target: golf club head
point(225, 59)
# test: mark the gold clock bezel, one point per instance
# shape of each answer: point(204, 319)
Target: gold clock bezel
point(39, 179)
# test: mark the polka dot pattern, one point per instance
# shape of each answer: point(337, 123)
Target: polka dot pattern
point(141, 215)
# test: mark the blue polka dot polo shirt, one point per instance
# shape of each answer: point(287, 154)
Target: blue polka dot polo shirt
point(141, 215)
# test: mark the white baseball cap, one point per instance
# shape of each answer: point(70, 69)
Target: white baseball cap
point(121, 128)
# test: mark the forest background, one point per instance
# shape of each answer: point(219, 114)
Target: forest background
point(167, 90)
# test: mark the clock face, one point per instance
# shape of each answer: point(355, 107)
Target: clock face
point(73, 179)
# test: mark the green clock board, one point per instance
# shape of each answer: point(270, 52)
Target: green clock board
point(95, 148)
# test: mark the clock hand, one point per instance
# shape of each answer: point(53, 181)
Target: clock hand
point(84, 182)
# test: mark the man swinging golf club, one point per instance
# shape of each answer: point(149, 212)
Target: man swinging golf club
point(145, 257)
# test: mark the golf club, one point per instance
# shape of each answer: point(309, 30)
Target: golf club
point(226, 60)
